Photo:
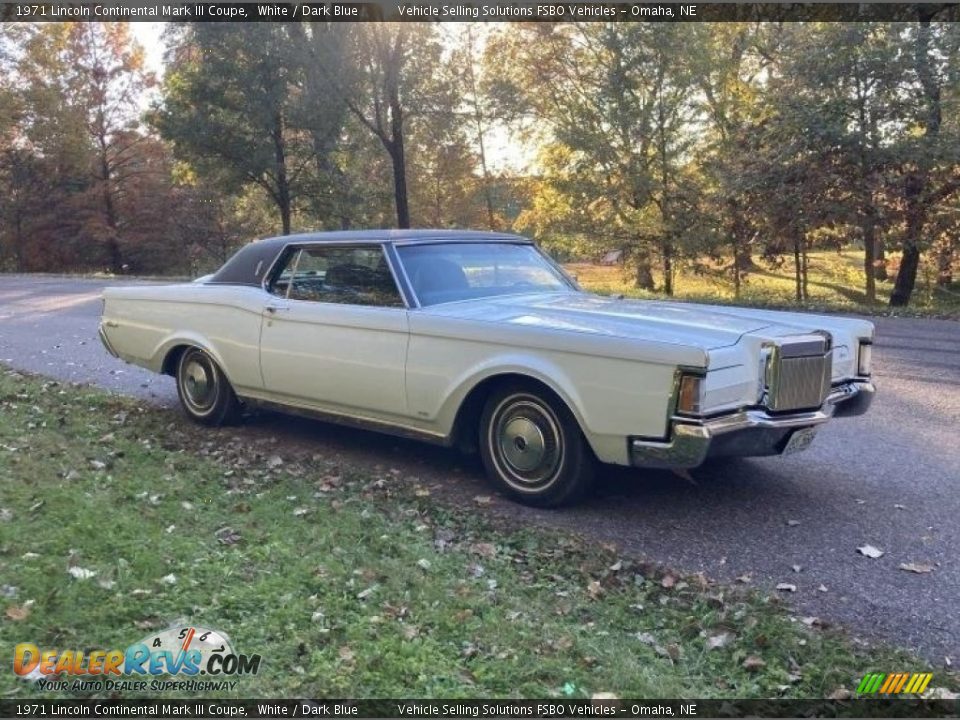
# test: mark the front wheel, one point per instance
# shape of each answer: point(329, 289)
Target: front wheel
point(532, 448)
point(204, 390)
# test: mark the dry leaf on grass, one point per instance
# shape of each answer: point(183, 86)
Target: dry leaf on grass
point(719, 641)
point(18, 612)
point(918, 568)
point(753, 663)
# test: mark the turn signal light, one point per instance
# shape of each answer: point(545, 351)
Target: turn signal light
point(865, 358)
point(690, 398)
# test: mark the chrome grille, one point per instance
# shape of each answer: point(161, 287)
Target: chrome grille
point(801, 375)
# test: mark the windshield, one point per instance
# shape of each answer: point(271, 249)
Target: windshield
point(447, 272)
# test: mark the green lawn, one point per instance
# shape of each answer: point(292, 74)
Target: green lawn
point(352, 584)
point(836, 282)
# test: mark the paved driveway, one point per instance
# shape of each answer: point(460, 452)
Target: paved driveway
point(890, 478)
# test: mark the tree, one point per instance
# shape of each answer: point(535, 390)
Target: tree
point(78, 92)
point(231, 105)
point(930, 170)
point(394, 79)
point(613, 102)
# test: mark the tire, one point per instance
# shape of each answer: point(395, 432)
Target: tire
point(205, 393)
point(532, 447)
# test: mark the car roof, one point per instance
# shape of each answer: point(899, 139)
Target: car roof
point(251, 262)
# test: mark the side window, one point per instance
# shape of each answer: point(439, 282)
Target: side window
point(336, 274)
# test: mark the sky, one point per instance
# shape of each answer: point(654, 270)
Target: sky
point(504, 152)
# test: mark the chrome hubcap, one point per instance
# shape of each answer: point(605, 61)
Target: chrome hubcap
point(526, 443)
point(199, 384)
point(522, 444)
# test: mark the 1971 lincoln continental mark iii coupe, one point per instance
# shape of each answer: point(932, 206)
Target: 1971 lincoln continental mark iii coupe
point(480, 340)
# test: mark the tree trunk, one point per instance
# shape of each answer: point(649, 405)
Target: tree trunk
point(806, 272)
point(668, 269)
point(881, 261)
point(945, 265)
point(113, 240)
point(870, 253)
point(910, 262)
point(398, 159)
point(282, 197)
point(644, 275)
point(797, 266)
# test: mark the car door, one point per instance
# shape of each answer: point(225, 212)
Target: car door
point(334, 333)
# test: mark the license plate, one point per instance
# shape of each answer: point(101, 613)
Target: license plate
point(800, 440)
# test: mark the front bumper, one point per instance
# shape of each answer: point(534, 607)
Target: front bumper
point(746, 433)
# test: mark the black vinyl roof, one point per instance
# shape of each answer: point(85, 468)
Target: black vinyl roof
point(251, 262)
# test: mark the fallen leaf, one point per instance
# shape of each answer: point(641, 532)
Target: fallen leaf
point(18, 612)
point(487, 550)
point(898, 506)
point(422, 492)
point(822, 588)
point(919, 568)
point(594, 590)
point(617, 566)
point(423, 564)
point(753, 663)
point(345, 653)
point(796, 568)
point(668, 581)
point(870, 551)
point(719, 641)
point(482, 500)
point(364, 594)
point(787, 587)
point(646, 638)
point(274, 461)
point(301, 511)
point(793, 523)
point(840, 694)
point(80, 573)
point(227, 536)
point(811, 621)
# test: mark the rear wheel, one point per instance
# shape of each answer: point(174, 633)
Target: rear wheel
point(205, 392)
point(532, 447)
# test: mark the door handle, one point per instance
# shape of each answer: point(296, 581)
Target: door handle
point(274, 309)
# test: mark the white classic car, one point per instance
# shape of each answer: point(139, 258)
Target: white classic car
point(480, 340)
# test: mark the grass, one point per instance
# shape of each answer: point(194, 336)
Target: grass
point(351, 584)
point(836, 282)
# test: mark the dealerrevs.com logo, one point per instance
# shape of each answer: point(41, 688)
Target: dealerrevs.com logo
point(187, 657)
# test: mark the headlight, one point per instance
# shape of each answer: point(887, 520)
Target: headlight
point(865, 358)
point(690, 397)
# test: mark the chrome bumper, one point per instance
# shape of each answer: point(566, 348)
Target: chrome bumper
point(746, 433)
point(106, 343)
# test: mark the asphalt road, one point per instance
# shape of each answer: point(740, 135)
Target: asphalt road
point(890, 479)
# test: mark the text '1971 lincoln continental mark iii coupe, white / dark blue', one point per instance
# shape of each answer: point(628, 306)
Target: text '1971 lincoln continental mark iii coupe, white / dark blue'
point(480, 340)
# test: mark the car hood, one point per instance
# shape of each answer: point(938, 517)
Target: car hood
point(676, 323)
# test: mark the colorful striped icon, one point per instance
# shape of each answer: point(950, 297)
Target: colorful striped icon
point(894, 683)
